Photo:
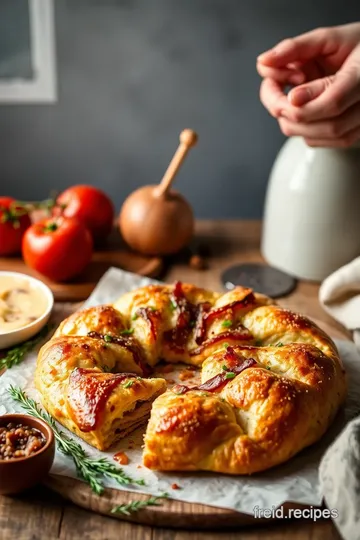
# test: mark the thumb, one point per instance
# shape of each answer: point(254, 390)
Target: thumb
point(327, 97)
point(306, 92)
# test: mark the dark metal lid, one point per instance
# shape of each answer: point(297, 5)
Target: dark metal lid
point(260, 277)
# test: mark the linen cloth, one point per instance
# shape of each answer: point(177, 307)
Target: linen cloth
point(339, 472)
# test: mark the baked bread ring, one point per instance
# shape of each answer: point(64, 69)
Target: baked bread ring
point(272, 380)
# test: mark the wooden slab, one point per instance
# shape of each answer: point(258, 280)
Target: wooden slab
point(171, 513)
point(116, 253)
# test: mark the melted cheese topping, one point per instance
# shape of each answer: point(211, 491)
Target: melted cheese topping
point(20, 303)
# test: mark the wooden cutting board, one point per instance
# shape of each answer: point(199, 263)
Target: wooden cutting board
point(171, 513)
point(116, 253)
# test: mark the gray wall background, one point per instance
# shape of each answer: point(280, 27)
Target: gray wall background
point(132, 74)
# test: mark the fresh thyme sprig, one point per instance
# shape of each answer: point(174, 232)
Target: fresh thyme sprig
point(16, 354)
point(135, 506)
point(89, 469)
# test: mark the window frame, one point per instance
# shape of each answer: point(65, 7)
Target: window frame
point(42, 88)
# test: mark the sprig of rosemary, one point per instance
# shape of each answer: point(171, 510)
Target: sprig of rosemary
point(135, 506)
point(89, 469)
point(16, 354)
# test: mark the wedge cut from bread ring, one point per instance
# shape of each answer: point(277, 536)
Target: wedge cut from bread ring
point(77, 386)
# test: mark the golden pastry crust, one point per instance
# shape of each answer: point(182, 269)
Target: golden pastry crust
point(165, 320)
point(154, 316)
point(90, 377)
point(272, 380)
point(282, 403)
point(104, 319)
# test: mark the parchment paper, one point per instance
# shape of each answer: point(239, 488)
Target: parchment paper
point(295, 481)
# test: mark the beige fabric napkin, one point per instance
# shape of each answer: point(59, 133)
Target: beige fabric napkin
point(340, 296)
point(339, 472)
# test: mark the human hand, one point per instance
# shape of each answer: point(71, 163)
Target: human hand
point(324, 108)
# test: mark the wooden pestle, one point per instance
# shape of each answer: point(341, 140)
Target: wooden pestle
point(188, 138)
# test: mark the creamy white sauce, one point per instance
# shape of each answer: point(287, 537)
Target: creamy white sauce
point(21, 303)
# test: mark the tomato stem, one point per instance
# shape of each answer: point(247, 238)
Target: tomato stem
point(51, 227)
point(47, 204)
point(12, 214)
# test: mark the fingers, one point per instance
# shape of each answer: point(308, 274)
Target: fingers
point(325, 110)
point(322, 41)
point(324, 98)
point(339, 131)
point(305, 93)
point(272, 97)
point(284, 75)
point(343, 142)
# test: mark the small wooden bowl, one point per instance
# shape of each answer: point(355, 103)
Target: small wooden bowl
point(19, 474)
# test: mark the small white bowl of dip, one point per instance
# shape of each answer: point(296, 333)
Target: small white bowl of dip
point(25, 307)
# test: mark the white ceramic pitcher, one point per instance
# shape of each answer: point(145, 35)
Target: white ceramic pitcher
point(312, 210)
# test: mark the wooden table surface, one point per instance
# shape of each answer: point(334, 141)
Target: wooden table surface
point(41, 514)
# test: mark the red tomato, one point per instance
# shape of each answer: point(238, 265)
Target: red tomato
point(91, 206)
point(59, 248)
point(14, 220)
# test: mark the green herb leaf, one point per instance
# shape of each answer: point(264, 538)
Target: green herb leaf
point(226, 324)
point(224, 367)
point(268, 366)
point(279, 344)
point(108, 338)
point(173, 305)
point(226, 345)
point(127, 332)
point(230, 375)
point(135, 506)
point(16, 354)
point(134, 317)
point(89, 469)
point(128, 384)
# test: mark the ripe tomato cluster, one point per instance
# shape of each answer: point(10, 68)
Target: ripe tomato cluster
point(61, 245)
